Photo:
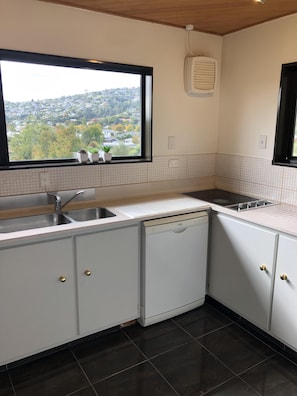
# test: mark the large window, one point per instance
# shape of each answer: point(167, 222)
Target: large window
point(285, 148)
point(51, 107)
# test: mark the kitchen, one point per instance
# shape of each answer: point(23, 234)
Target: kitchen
point(216, 138)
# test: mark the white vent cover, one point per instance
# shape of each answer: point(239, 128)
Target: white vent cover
point(200, 75)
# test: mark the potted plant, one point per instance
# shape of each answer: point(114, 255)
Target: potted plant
point(82, 156)
point(107, 155)
point(93, 154)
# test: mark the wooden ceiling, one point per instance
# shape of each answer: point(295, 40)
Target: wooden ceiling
point(210, 16)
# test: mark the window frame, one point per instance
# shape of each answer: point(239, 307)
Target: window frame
point(286, 117)
point(145, 72)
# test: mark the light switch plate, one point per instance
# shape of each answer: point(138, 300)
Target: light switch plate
point(262, 141)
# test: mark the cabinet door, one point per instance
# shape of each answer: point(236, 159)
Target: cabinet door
point(108, 278)
point(241, 267)
point(37, 310)
point(284, 320)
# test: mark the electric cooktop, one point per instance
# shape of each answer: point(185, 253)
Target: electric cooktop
point(229, 199)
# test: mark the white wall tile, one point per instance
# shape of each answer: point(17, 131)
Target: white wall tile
point(260, 191)
point(119, 174)
point(159, 169)
point(200, 165)
point(228, 166)
point(260, 171)
point(74, 177)
point(290, 179)
point(19, 182)
point(224, 183)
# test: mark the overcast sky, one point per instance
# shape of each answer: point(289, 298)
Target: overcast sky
point(23, 81)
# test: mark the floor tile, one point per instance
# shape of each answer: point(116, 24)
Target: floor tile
point(158, 338)
point(5, 386)
point(142, 380)
point(236, 348)
point(53, 375)
point(202, 320)
point(235, 387)
point(275, 377)
point(191, 370)
point(107, 355)
point(84, 392)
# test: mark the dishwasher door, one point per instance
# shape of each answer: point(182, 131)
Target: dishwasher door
point(173, 266)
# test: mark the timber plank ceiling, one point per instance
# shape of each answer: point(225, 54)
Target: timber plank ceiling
point(210, 16)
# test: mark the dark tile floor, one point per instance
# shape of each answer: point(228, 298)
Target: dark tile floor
point(199, 353)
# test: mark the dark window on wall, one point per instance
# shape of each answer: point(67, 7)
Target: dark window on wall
point(285, 147)
point(53, 106)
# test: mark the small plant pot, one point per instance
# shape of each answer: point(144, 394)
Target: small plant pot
point(93, 157)
point(107, 157)
point(82, 157)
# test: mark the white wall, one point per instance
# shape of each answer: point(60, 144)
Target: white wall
point(30, 25)
point(251, 65)
point(35, 26)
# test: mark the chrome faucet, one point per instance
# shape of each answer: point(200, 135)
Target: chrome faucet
point(58, 199)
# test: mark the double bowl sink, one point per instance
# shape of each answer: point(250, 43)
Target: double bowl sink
point(53, 219)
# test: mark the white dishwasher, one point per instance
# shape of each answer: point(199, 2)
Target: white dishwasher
point(173, 273)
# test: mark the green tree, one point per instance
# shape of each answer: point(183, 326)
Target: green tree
point(92, 133)
point(66, 142)
point(27, 144)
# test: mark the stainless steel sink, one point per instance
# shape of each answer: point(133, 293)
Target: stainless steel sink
point(52, 219)
point(89, 214)
point(32, 222)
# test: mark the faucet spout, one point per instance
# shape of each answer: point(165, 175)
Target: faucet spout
point(73, 197)
point(58, 200)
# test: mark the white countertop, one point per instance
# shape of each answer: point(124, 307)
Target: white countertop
point(132, 211)
point(168, 205)
point(282, 218)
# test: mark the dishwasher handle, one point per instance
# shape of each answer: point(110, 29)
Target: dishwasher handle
point(179, 230)
point(176, 224)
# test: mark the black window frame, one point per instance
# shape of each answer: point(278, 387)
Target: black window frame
point(286, 117)
point(146, 73)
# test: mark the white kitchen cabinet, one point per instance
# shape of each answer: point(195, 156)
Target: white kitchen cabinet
point(108, 278)
point(284, 319)
point(37, 298)
point(241, 269)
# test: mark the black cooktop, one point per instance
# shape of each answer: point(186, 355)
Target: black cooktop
point(219, 197)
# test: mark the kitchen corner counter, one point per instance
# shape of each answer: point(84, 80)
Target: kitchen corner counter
point(280, 217)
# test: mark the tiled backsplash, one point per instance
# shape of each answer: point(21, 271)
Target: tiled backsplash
point(154, 177)
point(251, 176)
point(256, 177)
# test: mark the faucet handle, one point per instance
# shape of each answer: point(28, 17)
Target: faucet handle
point(56, 196)
point(58, 200)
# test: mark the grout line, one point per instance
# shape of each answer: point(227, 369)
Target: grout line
point(164, 378)
point(11, 383)
point(217, 358)
point(83, 371)
point(117, 372)
point(150, 362)
point(120, 372)
point(161, 353)
point(202, 335)
point(256, 364)
point(250, 386)
point(256, 337)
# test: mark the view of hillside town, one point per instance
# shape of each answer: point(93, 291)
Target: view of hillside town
point(60, 127)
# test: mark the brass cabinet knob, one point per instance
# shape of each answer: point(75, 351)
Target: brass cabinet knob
point(88, 272)
point(263, 267)
point(284, 277)
point(62, 279)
